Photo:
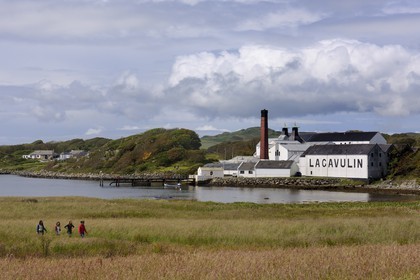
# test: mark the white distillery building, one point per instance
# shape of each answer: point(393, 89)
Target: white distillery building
point(361, 161)
point(208, 172)
point(268, 168)
point(276, 168)
point(285, 147)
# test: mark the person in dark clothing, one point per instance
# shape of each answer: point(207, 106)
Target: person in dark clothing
point(69, 227)
point(40, 228)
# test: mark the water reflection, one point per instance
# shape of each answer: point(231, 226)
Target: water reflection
point(11, 185)
point(271, 195)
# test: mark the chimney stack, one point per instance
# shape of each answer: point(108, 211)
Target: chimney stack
point(285, 131)
point(264, 135)
point(295, 135)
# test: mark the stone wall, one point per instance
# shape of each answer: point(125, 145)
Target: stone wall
point(288, 182)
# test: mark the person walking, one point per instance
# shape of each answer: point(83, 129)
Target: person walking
point(40, 228)
point(69, 227)
point(57, 228)
point(82, 229)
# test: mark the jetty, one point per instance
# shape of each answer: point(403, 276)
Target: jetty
point(119, 180)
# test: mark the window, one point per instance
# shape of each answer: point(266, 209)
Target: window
point(371, 154)
point(241, 172)
point(380, 154)
point(380, 163)
point(311, 172)
point(371, 164)
point(250, 172)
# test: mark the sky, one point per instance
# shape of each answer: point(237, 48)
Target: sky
point(113, 68)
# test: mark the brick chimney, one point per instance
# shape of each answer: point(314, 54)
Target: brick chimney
point(264, 135)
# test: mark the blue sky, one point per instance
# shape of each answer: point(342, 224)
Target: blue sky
point(113, 68)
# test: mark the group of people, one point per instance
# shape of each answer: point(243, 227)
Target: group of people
point(41, 229)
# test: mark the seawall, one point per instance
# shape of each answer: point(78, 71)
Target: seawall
point(305, 183)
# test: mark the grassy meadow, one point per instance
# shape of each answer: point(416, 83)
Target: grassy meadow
point(160, 239)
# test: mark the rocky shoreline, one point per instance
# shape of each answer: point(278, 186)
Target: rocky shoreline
point(303, 183)
point(91, 176)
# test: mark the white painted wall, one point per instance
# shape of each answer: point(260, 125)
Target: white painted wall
point(372, 165)
point(343, 166)
point(246, 173)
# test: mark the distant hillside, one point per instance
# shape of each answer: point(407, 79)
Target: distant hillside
point(406, 161)
point(11, 156)
point(156, 150)
point(176, 150)
point(240, 135)
point(230, 149)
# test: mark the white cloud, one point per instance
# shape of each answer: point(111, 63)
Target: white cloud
point(402, 7)
point(207, 127)
point(281, 19)
point(128, 81)
point(130, 127)
point(93, 131)
point(330, 76)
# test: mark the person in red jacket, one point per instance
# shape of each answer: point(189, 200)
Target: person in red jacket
point(82, 229)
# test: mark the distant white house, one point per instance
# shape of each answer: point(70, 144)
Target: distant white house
point(72, 154)
point(41, 155)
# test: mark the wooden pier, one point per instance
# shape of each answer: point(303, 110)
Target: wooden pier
point(118, 181)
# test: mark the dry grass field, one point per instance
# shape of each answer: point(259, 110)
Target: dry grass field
point(147, 239)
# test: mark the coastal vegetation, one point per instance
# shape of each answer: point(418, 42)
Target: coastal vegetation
point(154, 239)
point(177, 151)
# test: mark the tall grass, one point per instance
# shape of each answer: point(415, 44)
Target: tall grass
point(194, 240)
point(343, 262)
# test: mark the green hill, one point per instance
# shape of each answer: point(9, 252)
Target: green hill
point(240, 135)
point(156, 150)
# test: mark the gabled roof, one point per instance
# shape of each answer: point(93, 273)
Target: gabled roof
point(213, 164)
point(342, 136)
point(210, 168)
point(274, 164)
point(247, 166)
point(386, 147)
point(293, 147)
point(333, 149)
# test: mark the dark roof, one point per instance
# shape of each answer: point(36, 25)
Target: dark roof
point(306, 135)
point(230, 166)
point(386, 147)
point(342, 136)
point(274, 164)
point(213, 164)
point(333, 149)
point(247, 166)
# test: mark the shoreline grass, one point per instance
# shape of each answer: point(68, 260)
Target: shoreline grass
point(351, 240)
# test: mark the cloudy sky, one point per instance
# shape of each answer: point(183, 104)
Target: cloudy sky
point(113, 68)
